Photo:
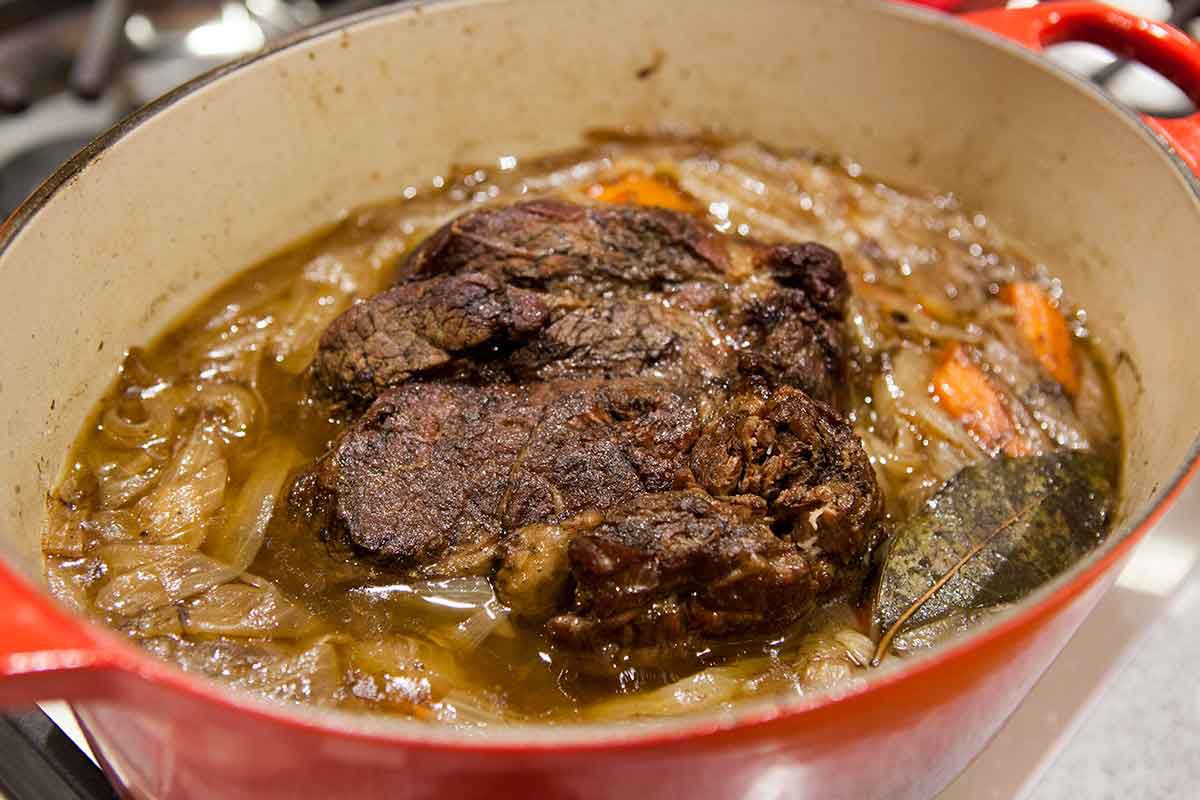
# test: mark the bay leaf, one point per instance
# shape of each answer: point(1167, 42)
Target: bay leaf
point(944, 628)
point(995, 532)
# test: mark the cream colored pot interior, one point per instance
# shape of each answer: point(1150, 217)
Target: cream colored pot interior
point(229, 172)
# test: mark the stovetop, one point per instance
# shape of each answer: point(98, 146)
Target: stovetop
point(70, 69)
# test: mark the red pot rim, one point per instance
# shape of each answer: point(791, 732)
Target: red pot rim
point(121, 656)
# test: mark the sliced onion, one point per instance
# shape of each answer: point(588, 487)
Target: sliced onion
point(162, 621)
point(297, 342)
point(125, 433)
point(64, 534)
point(240, 609)
point(913, 311)
point(461, 595)
point(312, 675)
point(114, 526)
point(123, 480)
point(236, 405)
point(121, 557)
point(160, 583)
point(309, 673)
point(200, 448)
point(408, 662)
point(190, 492)
point(459, 707)
point(239, 540)
point(68, 579)
point(704, 690)
point(859, 647)
point(466, 636)
point(909, 376)
point(325, 291)
point(831, 657)
point(178, 512)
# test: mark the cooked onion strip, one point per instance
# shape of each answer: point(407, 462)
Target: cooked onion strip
point(123, 480)
point(464, 709)
point(178, 511)
point(237, 406)
point(191, 491)
point(704, 690)
point(159, 583)
point(908, 382)
point(241, 537)
point(64, 534)
point(241, 609)
point(119, 557)
point(325, 290)
point(461, 595)
point(471, 632)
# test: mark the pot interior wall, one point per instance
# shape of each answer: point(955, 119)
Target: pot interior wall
point(236, 169)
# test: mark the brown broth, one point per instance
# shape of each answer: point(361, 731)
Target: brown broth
point(336, 631)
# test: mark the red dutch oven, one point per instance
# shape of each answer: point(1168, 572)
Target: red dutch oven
point(176, 199)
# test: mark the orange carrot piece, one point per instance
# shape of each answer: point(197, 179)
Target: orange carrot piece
point(643, 190)
point(967, 395)
point(1044, 331)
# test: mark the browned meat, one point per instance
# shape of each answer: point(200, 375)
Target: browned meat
point(534, 573)
point(613, 407)
point(801, 505)
point(666, 567)
point(419, 326)
point(717, 562)
point(608, 292)
point(586, 249)
point(800, 456)
point(794, 333)
point(434, 469)
point(617, 338)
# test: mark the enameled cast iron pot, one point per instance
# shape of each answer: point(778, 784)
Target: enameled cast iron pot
point(158, 212)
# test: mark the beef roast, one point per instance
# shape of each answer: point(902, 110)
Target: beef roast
point(546, 289)
point(802, 458)
point(624, 416)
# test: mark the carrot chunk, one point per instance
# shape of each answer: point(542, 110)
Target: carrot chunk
point(1044, 331)
point(643, 190)
point(966, 394)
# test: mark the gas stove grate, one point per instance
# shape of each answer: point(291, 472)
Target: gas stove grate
point(40, 761)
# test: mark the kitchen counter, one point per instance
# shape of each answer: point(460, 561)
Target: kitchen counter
point(1143, 738)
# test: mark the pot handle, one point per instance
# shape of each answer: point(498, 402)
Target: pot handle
point(1159, 46)
point(45, 652)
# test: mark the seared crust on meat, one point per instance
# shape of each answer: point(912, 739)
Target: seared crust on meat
point(677, 565)
point(625, 417)
point(418, 326)
point(433, 468)
point(546, 242)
